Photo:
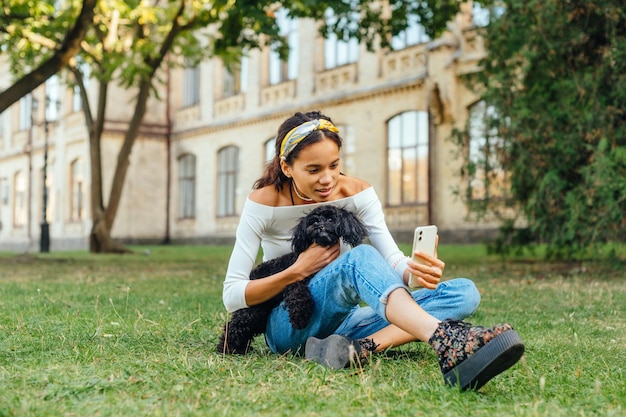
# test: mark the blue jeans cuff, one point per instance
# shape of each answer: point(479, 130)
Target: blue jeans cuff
point(384, 297)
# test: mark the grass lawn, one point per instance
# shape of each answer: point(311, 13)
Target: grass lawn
point(131, 335)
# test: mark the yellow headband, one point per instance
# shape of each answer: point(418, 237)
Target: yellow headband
point(298, 133)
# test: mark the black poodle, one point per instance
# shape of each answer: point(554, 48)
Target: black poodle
point(324, 225)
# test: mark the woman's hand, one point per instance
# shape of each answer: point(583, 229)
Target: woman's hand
point(308, 263)
point(429, 270)
point(314, 258)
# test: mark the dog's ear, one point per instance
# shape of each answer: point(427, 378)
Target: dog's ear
point(353, 231)
point(300, 240)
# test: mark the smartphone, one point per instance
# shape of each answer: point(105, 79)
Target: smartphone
point(424, 240)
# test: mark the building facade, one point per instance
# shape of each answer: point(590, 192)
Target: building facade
point(205, 143)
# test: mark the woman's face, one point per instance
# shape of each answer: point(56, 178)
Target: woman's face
point(315, 170)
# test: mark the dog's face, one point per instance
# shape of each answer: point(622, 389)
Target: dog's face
point(325, 225)
point(322, 228)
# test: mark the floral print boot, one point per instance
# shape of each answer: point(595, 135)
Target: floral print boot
point(469, 356)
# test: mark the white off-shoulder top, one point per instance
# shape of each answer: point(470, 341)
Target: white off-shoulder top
point(270, 227)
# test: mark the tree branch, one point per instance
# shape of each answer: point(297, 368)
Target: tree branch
point(60, 58)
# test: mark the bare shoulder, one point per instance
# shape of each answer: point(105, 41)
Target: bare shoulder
point(351, 186)
point(268, 196)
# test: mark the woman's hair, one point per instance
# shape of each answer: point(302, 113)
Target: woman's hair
point(273, 173)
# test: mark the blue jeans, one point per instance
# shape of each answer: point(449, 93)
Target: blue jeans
point(358, 276)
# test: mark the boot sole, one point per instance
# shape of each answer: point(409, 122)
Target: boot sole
point(335, 351)
point(502, 352)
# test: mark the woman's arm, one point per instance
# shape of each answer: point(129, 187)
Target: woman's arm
point(308, 263)
point(239, 291)
point(371, 212)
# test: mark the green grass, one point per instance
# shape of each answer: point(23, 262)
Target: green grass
point(126, 335)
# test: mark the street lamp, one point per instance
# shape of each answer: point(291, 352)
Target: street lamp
point(44, 242)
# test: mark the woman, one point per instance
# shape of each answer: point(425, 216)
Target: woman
point(306, 172)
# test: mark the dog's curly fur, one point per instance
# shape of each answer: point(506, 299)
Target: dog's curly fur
point(324, 225)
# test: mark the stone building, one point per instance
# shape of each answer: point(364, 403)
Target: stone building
point(205, 143)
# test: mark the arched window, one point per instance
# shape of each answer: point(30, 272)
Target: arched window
point(408, 159)
point(77, 190)
point(227, 172)
point(187, 186)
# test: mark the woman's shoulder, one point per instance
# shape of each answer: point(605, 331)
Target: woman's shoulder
point(351, 186)
point(269, 196)
point(266, 196)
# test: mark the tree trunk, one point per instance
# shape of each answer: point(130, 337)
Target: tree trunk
point(104, 216)
point(100, 240)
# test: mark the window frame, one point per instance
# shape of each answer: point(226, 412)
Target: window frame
point(411, 185)
point(53, 99)
point(25, 121)
point(269, 150)
point(482, 155)
point(227, 180)
point(338, 52)
point(191, 86)
point(77, 191)
point(186, 164)
point(414, 34)
point(235, 80)
point(20, 197)
point(279, 70)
